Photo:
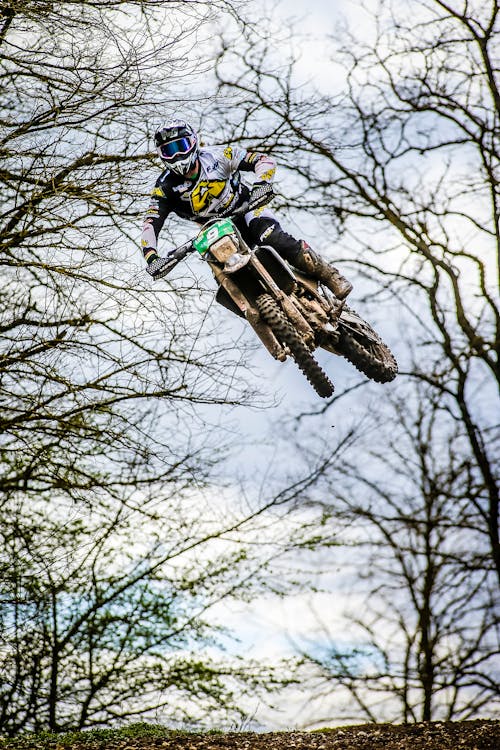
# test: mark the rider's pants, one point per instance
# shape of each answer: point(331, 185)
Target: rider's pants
point(261, 227)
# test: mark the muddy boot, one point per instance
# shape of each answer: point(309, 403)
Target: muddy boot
point(311, 263)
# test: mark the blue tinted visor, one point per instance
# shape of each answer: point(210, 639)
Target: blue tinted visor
point(179, 146)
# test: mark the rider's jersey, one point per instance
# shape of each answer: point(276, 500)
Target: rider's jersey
point(217, 190)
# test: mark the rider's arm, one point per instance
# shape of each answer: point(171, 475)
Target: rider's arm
point(263, 165)
point(154, 220)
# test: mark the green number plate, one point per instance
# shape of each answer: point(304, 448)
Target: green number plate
point(211, 234)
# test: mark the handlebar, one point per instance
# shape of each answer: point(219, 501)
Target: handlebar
point(172, 258)
point(180, 252)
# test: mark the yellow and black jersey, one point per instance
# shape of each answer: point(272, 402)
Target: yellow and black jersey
point(217, 190)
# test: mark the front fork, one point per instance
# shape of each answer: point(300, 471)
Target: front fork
point(251, 314)
point(291, 310)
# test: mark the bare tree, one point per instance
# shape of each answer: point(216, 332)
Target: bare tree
point(84, 343)
point(424, 637)
point(110, 555)
point(404, 166)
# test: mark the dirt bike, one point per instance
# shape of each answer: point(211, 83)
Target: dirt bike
point(291, 313)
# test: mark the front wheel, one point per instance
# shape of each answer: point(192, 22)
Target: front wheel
point(272, 314)
point(364, 348)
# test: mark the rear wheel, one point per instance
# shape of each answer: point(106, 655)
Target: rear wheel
point(273, 315)
point(364, 348)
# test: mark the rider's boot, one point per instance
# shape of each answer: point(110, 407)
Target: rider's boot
point(307, 260)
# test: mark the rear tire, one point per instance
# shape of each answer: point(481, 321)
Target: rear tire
point(273, 315)
point(364, 348)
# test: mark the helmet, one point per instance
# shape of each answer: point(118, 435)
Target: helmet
point(177, 145)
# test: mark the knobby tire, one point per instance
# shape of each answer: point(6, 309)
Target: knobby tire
point(273, 315)
point(373, 358)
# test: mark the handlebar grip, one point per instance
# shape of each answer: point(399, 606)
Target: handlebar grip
point(180, 252)
point(261, 194)
point(162, 266)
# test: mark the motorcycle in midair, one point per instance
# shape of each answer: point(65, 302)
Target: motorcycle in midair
point(292, 313)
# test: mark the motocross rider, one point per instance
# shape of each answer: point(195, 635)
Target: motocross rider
point(201, 182)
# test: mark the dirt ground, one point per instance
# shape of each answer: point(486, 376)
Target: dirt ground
point(467, 735)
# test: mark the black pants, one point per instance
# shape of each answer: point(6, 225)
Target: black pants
point(265, 230)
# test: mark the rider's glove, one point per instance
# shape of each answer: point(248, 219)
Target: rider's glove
point(160, 267)
point(260, 194)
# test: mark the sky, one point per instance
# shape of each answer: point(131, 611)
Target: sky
point(321, 16)
point(317, 20)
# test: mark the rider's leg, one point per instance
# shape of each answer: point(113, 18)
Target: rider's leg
point(263, 227)
point(312, 263)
